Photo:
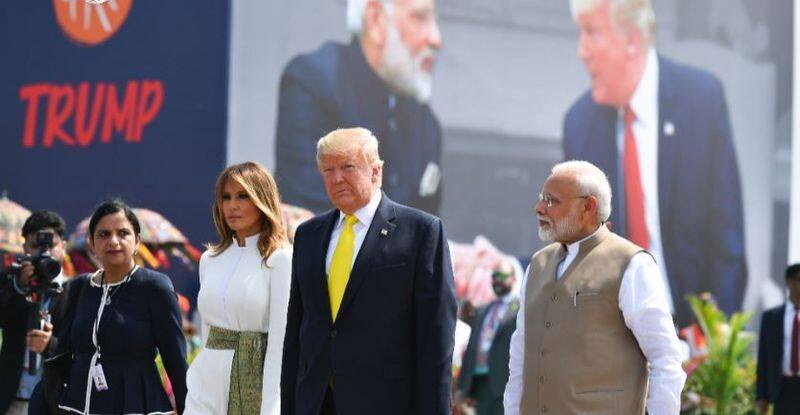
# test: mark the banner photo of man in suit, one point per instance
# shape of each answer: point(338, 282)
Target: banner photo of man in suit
point(518, 87)
point(381, 80)
point(661, 132)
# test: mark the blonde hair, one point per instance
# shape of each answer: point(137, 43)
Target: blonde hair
point(348, 141)
point(263, 192)
point(638, 13)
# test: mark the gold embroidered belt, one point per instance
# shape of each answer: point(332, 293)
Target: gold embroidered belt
point(247, 368)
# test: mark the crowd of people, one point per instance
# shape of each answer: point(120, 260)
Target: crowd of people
point(358, 315)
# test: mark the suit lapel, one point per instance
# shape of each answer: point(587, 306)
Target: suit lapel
point(320, 250)
point(778, 330)
point(667, 140)
point(584, 248)
point(601, 146)
point(378, 234)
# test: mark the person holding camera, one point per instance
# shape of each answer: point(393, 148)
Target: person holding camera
point(34, 282)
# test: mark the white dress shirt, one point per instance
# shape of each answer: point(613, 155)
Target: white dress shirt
point(642, 300)
point(360, 228)
point(788, 320)
point(644, 103)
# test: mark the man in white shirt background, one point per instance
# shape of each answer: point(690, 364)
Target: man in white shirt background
point(778, 370)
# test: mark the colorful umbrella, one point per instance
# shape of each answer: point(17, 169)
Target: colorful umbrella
point(155, 230)
point(12, 217)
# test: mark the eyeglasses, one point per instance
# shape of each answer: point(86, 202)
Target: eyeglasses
point(550, 201)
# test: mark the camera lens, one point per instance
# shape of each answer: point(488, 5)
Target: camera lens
point(47, 268)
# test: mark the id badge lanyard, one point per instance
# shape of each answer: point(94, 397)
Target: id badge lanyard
point(96, 375)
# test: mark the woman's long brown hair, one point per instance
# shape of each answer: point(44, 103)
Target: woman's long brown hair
point(263, 192)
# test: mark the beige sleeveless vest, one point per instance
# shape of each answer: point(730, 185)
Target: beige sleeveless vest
point(580, 357)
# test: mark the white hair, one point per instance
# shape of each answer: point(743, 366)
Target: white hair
point(591, 181)
point(638, 13)
point(355, 15)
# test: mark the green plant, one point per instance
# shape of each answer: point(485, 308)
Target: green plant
point(723, 381)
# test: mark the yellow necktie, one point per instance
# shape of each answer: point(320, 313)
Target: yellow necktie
point(339, 273)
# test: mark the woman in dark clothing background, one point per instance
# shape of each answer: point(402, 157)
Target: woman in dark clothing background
point(123, 315)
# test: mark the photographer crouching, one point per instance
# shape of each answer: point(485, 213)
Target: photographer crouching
point(30, 306)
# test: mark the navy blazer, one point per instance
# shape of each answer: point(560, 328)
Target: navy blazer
point(770, 354)
point(700, 198)
point(334, 87)
point(390, 349)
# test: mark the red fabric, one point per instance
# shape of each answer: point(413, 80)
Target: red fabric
point(795, 363)
point(634, 196)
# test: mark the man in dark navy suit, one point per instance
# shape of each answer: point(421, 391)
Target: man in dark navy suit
point(660, 131)
point(381, 81)
point(372, 308)
point(778, 371)
point(484, 372)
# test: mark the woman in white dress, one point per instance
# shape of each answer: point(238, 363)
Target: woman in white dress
point(244, 295)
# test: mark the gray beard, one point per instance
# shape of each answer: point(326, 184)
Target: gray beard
point(564, 230)
point(402, 71)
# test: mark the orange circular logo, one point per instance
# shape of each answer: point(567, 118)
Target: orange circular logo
point(91, 22)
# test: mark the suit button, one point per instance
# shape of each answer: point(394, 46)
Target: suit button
point(542, 379)
point(543, 353)
point(555, 298)
point(544, 409)
point(548, 324)
point(333, 333)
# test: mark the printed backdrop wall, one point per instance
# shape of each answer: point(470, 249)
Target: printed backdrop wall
point(150, 100)
point(505, 77)
point(127, 98)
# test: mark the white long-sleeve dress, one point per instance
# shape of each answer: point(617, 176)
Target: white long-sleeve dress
point(237, 292)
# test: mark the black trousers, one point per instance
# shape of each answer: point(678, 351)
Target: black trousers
point(788, 402)
point(328, 407)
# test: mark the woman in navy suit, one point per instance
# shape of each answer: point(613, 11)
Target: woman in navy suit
point(123, 315)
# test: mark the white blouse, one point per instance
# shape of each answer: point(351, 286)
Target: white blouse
point(237, 292)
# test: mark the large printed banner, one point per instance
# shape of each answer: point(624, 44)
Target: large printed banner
point(512, 93)
point(117, 98)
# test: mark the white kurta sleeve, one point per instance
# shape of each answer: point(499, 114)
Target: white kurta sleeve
point(643, 301)
point(280, 264)
point(513, 392)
